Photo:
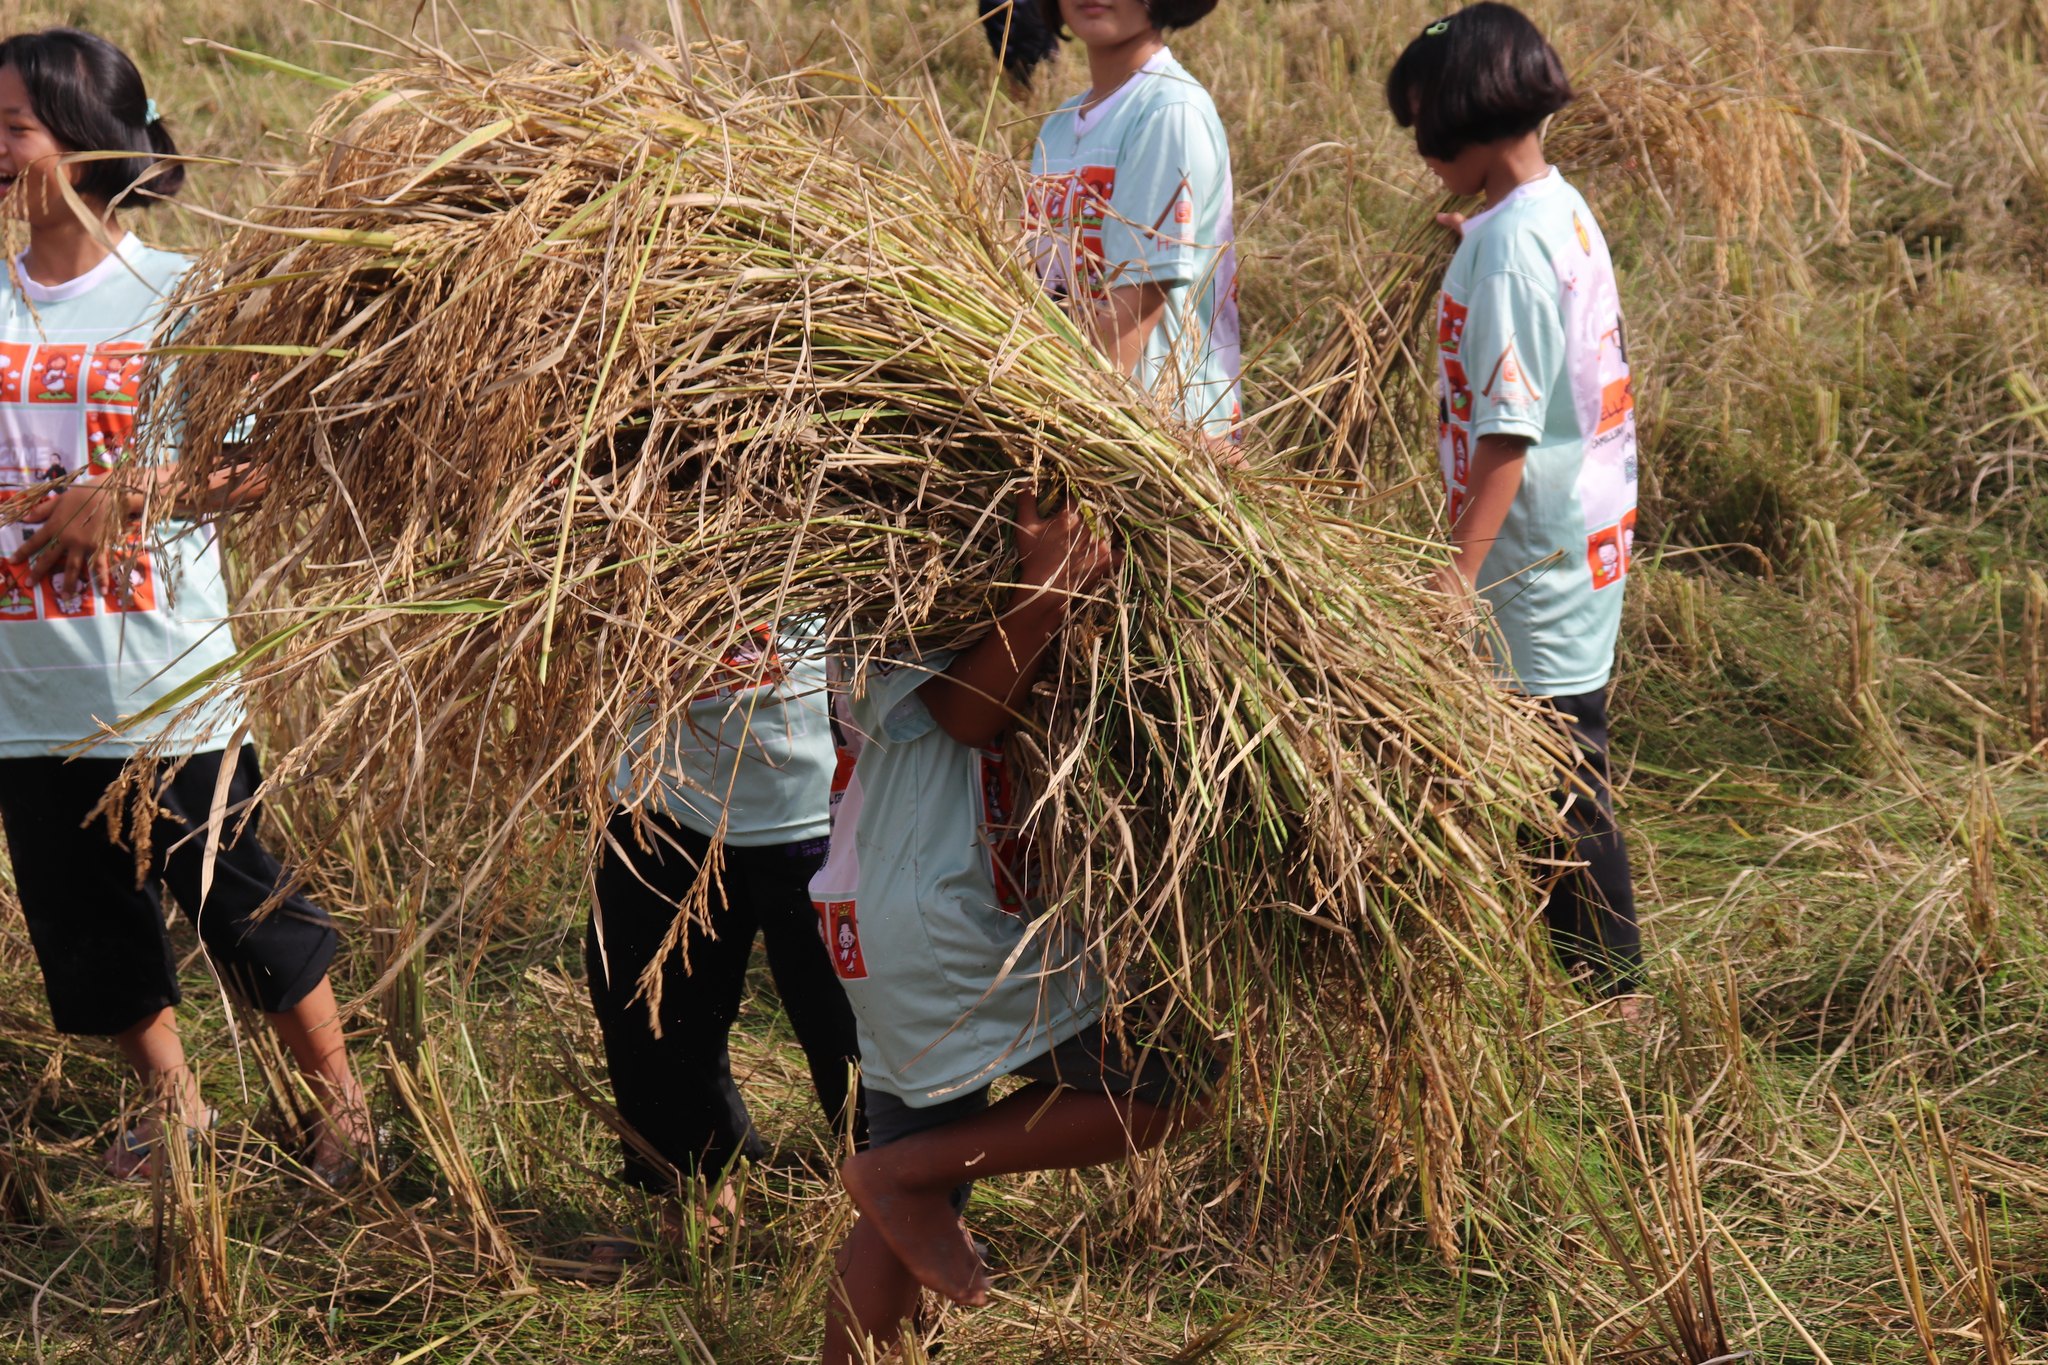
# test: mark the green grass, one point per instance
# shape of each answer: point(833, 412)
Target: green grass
point(1842, 847)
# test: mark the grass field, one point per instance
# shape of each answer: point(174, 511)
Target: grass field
point(1832, 704)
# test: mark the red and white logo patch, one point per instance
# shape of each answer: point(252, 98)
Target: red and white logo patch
point(841, 929)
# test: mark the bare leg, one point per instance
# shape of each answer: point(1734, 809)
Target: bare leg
point(902, 1187)
point(311, 1032)
point(153, 1048)
point(869, 1299)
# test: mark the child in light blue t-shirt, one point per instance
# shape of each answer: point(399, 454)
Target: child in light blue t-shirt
point(747, 766)
point(1537, 433)
point(1130, 212)
point(957, 973)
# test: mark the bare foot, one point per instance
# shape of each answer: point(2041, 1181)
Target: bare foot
point(920, 1227)
point(717, 1218)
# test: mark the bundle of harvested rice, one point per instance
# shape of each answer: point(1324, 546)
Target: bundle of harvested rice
point(567, 375)
point(1674, 131)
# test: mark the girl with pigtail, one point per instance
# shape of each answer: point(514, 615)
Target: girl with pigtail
point(106, 633)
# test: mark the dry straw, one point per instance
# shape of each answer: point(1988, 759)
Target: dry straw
point(565, 375)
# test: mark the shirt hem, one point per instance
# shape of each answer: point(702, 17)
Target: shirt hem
point(1507, 426)
point(752, 838)
point(953, 1087)
point(1570, 687)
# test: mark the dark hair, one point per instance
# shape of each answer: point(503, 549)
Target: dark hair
point(1017, 35)
point(90, 96)
point(1166, 14)
point(1477, 75)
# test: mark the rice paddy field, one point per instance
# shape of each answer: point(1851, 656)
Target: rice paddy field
point(1830, 1142)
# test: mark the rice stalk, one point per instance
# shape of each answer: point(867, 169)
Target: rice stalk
point(189, 1217)
point(2034, 660)
point(417, 1086)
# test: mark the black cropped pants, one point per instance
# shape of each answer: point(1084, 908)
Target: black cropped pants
point(677, 1091)
point(1592, 910)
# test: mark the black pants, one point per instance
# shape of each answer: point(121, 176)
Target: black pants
point(1592, 911)
point(677, 1090)
point(96, 918)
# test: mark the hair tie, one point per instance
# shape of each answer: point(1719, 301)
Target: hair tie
point(150, 115)
point(1435, 30)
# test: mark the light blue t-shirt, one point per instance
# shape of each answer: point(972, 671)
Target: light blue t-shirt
point(930, 905)
point(754, 749)
point(74, 658)
point(1138, 191)
point(1530, 344)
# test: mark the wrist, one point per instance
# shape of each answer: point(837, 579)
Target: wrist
point(1034, 602)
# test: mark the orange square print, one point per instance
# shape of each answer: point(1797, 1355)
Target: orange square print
point(13, 371)
point(56, 374)
point(17, 593)
point(837, 922)
point(113, 374)
point(68, 596)
point(134, 581)
point(1603, 557)
point(107, 437)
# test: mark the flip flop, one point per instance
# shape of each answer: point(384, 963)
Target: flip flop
point(340, 1173)
point(136, 1148)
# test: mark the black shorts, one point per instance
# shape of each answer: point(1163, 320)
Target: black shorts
point(97, 922)
point(1094, 1060)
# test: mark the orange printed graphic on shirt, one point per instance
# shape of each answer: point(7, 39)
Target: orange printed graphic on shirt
point(17, 593)
point(13, 371)
point(113, 374)
point(56, 374)
point(1013, 868)
point(752, 662)
point(837, 922)
point(1089, 205)
point(1604, 557)
point(1617, 401)
point(1507, 384)
point(1070, 208)
point(1461, 457)
point(134, 587)
point(1461, 390)
point(1579, 227)
point(67, 595)
point(1450, 324)
point(1628, 540)
point(107, 437)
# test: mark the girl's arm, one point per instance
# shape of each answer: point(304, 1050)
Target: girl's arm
point(1124, 323)
point(73, 534)
point(975, 699)
point(1496, 478)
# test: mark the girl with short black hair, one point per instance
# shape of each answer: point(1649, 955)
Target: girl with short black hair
point(92, 636)
point(1537, 431)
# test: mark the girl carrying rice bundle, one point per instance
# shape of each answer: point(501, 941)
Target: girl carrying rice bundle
point(92, 636)
point(962, 978)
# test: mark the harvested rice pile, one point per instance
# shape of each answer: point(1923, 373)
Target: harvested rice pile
point(565, 375)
